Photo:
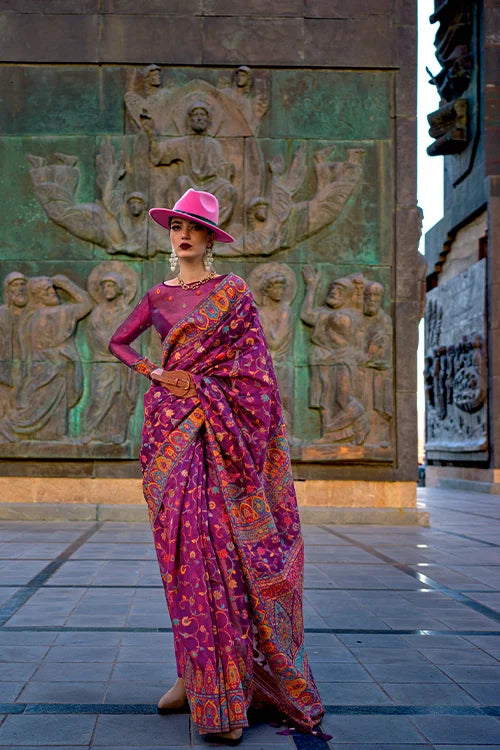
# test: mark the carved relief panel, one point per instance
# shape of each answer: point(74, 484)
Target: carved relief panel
point(303, 180)
point(455, 374)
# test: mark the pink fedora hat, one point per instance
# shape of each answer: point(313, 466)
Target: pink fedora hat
point(194, 204)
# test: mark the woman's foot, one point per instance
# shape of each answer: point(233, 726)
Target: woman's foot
point(174, 699)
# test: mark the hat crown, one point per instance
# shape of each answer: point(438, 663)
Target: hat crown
point(201, 204)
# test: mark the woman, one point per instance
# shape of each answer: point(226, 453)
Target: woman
point(218, 483)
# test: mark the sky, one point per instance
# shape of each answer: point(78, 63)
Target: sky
point(429, 168)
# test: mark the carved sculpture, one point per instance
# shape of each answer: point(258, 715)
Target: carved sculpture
point(453, 50)
point(333, 356)
point(276, 221)
point(274, 287)
point(116, 221)
point(458, 376)
point(456, 367)
point(146, 96)
point(15, 298)
point(198, 159)
point(200, 136)
point(51, 379)
point(378, 364)
point(113, 387)
point(253, 106)
point(350, 361)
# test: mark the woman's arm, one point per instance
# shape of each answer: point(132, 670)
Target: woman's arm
point(136, 323)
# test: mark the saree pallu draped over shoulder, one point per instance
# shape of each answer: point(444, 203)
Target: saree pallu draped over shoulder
point(219, 487)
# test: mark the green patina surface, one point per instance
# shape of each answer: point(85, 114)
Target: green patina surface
point(69, 108)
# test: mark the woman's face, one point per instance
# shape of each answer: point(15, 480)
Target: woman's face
point(189, 239)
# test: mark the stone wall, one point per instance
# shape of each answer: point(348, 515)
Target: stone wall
point(462, 252)
point(310, 148)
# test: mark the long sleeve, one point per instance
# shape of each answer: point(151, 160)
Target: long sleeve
point(136, 323)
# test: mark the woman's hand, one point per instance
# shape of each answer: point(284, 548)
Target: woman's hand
point(156, 374)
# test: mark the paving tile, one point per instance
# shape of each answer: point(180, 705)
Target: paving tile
point(147, 672)
point(62, 692)
point(487, 693)
point(106, 551)
point(352, 693)
point(160, 640)
point(468, 673)
point(125, 691)
point(54, 730)
point(458, 656)
point(332, 654)
point(17, 671)
point(487, 643)
point(81, 654)
point(9, 691)
point(72, 672)
point(322, 639)
point(145, 653)
point(22, 653)
point(22, 571)
point(364, 728)
point(421, 673)
point(27, 637)
point(460, 729)
point(340, 672)
point(388, 656)
point(74, 638)
point(436, 641)
point(432, 694)
point(151, 621)
point(375, 640)
point(154, 730)
point(7, 593)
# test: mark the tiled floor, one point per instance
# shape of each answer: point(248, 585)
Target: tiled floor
point(402, 629)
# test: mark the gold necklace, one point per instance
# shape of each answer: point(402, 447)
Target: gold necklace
point(194, 284)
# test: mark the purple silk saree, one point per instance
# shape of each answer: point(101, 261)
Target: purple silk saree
point(219, 487)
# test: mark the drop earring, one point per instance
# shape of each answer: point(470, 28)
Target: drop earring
point(173, 260)
point(208, 259)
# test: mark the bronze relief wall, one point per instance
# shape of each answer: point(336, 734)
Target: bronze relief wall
point(302, 166)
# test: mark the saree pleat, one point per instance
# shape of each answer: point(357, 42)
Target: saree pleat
point(219, 487)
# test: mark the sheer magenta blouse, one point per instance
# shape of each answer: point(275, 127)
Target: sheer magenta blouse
point(162, 307)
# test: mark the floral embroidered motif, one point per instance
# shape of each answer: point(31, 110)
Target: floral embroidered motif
point(143, 366)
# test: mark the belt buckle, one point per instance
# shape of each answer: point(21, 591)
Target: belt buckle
point(180, 383)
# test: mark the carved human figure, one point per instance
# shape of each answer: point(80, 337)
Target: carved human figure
point(15, 298)
point(429, 380)
point(115, 221)
point(197, 159)
point(439, 376)
point(450, 372)
point(147, 98)
point(113, 387)
point(252, 106)
point(276, 220)
point(333, 358)
point(378, 362)
point(277, 320)
point(51, 371)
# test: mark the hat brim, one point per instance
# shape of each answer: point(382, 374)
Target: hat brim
point(162, 217)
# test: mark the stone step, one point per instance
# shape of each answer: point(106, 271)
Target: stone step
point(121, 512)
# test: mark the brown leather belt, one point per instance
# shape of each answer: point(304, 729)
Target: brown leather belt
point(178, 382)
